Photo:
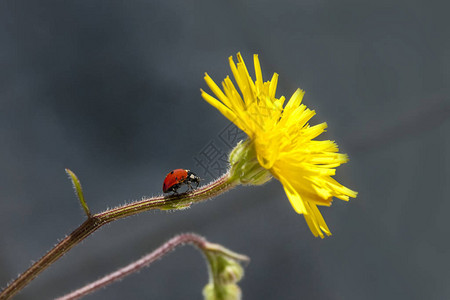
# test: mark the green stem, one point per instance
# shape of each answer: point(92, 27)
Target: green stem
point(96, 221)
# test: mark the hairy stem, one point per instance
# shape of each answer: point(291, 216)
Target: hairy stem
point(96, 221)
point(137, 265)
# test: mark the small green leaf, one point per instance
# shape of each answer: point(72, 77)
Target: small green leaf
point(78, 191)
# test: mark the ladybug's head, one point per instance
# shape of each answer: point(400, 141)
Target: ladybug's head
point(192, 177)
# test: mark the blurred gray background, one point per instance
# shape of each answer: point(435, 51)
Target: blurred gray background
point(110, 89)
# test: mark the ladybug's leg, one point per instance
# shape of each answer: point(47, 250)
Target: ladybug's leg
point(175, 189)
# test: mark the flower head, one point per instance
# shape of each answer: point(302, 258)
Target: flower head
point(282, 140)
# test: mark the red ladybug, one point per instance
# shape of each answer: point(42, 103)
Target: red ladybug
point(175, 179)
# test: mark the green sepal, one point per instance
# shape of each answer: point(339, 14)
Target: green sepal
point(245, 167)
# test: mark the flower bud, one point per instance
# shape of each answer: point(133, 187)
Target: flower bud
point(225, 271)
point(223, 292)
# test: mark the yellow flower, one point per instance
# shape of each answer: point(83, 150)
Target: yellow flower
point(282, 140)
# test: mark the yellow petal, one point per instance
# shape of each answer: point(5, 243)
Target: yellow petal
point(236, 102)
point(313, 226)
point(217, 91)
point(315, 221)
point(258, 74)
point(222, 108)
point(273, 86)
point(294, 102)
point(294, 197)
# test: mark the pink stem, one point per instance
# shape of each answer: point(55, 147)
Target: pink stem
point(137, 265)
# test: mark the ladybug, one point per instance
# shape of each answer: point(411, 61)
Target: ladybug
point(175, 179)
